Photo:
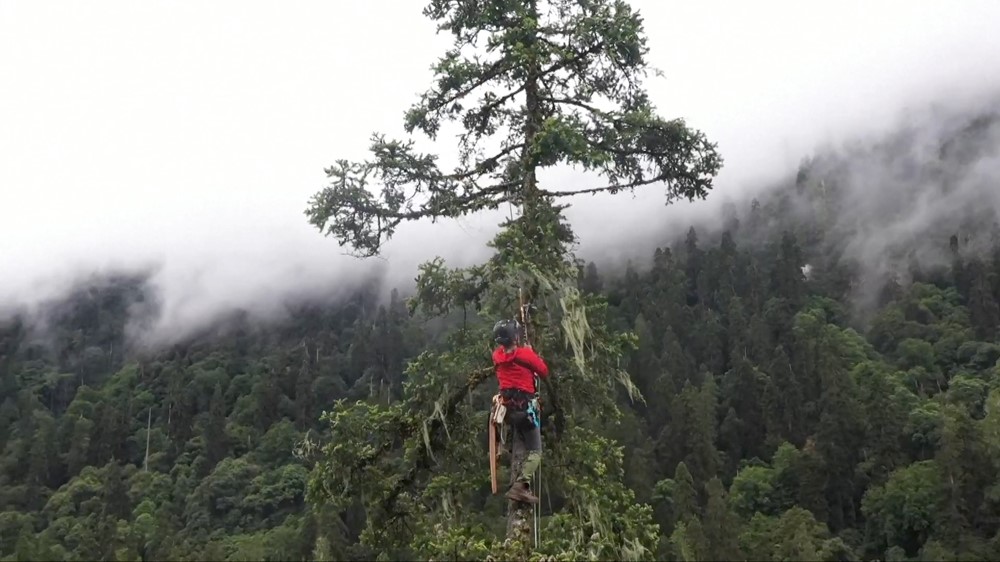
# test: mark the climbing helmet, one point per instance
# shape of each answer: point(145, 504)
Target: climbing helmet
point(506, 332)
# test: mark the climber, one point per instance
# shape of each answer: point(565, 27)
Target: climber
point(516, 367)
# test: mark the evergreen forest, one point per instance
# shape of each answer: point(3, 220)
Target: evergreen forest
point(776, 383)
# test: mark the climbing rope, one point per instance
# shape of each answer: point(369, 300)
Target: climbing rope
point(524, 311)
point(525, 320)
point(538, 506)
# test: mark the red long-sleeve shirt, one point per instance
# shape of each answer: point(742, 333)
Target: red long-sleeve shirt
point(517, 369)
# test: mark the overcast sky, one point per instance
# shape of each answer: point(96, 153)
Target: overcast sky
point(191, 134)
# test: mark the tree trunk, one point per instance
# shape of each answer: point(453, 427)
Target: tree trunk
point(519, 515)
point(532, 125)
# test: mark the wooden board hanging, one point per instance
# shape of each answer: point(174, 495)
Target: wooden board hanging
point(493, 453)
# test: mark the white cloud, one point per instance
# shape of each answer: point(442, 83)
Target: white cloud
point(192, 135)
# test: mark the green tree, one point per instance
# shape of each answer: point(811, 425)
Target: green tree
point(685, 497)
point(904, 511)
point(560, 82)
point(550, 83)
point(214, 432)
point(720, 525)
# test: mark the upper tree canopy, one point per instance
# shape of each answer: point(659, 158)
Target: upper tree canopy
point(534, 83)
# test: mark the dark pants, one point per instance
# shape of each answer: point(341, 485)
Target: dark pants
point(526, 437)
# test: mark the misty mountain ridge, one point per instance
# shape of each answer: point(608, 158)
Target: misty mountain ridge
point(880, 208)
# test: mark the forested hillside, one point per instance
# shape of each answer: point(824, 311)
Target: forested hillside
point(782, 419)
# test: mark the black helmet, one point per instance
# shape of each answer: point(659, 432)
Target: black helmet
point(506, 332)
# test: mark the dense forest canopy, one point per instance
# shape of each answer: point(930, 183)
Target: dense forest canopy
point(814, 374)
point(778, 423)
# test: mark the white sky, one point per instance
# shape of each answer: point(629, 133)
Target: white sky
point(192, 134)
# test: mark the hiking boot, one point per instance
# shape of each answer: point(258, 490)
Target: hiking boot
point(519, 492)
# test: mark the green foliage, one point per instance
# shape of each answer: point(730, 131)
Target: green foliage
point(549, 82)
point(783, 415)
point(215, 486)
point(602, 519)
point(795, 535)
point(752, 491)
point(904, 511)
point(578, 68)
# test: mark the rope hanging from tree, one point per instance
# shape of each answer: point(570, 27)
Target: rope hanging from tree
point(525, 311)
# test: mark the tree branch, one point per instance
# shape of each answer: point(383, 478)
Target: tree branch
point(609, 188)
point(423, 455)
point(577, 103)
point(486, 165)
point(434, 101)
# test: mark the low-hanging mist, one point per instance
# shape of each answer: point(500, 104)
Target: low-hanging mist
point(191, 163)
point(880, 204)
point(918, 198)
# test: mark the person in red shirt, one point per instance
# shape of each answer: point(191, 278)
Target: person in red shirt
point(516, 367)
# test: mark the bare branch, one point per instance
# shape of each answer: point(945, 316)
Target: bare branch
point(485, 165)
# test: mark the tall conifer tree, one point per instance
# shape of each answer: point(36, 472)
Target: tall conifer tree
point(532, 84)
